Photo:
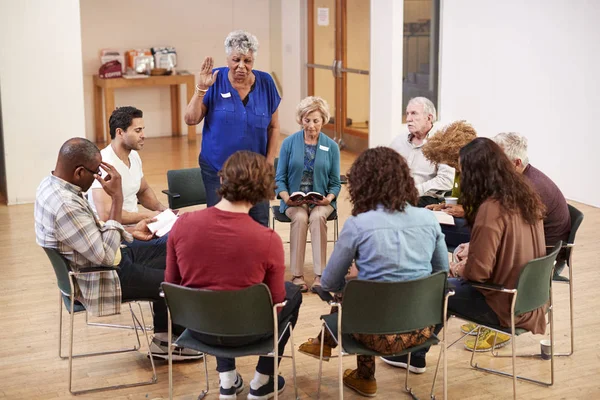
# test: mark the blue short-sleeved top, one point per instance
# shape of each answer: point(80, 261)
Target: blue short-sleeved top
point(230, 126)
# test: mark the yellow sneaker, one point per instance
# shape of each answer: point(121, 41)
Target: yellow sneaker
point(486, 340)
point(469, 329)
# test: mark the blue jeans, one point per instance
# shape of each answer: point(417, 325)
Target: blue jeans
point(467, 302)
point(265, 364)
point(212, 183)
point(159, 241)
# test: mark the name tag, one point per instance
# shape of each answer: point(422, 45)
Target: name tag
point(226, 95)
point(323, 148)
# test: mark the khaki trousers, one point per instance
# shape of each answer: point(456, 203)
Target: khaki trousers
point(303, 218)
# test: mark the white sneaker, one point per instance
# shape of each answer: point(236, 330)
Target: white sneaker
point(160, 350)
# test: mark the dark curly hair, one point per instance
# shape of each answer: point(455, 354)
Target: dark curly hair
point(122, 117)
point(486, 173)
point(443, 147)
point(247, 177)
point(380, 176)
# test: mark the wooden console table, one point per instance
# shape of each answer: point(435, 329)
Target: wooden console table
point(107, 88)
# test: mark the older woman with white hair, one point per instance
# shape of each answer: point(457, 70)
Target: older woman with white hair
point(239, 108)
point(309, 161)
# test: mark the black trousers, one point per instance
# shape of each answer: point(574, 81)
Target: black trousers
point(427, 200)
point(141, 271)
point(265, 364)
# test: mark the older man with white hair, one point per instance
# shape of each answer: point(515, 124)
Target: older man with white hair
point(557, 223)
point(432, 180)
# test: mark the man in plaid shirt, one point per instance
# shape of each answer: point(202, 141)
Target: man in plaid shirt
point(65, 221)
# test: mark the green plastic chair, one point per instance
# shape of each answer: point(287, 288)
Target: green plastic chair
point(533, 290)
point(209, 312)
point(371, 307)
point(65, 279)
point(186, 188)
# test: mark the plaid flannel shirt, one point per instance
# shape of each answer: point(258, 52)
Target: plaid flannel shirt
point(65, 221)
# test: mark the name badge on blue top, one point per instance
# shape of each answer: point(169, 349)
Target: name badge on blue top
point(226, 95)
point(323, 148)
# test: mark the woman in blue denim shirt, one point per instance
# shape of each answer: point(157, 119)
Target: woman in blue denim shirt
point(390, 240)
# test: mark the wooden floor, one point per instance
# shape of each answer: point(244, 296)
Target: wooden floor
point(31, 369)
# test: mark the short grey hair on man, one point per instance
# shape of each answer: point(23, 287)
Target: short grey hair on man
point(242, 42)
point(428, 106)
point(514, 145)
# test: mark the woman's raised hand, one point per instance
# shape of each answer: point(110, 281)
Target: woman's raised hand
point(207, 77)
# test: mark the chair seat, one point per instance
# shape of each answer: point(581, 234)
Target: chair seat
point(518, 331)
point(261, 347)
point(281, 217)
point(352, 346)
point(78, 307)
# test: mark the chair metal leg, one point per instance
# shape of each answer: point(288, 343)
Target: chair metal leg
point(572, 330)
point(275, 354)
point(341, 355)
point(293, 360)
point(205, 391)
point(437, 367)
point(169, 352)
point(320, 361)
point(137, 326)
point(60, 306)
point(406, 388)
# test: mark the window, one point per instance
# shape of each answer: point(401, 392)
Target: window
point(421, 49)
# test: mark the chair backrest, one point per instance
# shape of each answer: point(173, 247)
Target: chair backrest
point(535, 279)
point(576, 220)
point(189, 185)
point(393, 307)
point(242, 312)
point(61, 269)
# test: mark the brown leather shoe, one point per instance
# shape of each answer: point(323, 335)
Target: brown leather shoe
point(312, 347)
point(364, 387)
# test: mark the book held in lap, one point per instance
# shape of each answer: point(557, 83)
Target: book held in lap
point(163, 224)
point(309, 197)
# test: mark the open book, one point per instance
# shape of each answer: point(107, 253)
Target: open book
point(163, 224)
point(444, 218)
point(310, 196)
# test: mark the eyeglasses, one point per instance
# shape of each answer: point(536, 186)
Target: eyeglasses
point(99, 172)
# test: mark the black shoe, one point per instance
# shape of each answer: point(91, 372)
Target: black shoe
point(558, 268)
point(267, 390)
point(232, 392)
point(417, 364)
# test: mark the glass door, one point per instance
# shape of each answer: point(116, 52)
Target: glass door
point(338, 63)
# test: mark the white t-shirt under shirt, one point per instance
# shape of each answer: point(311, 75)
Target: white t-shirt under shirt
point(131, 177)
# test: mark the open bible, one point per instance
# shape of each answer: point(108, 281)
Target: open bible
point(310, 196)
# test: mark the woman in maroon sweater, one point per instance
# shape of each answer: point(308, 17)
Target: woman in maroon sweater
point(223, 248)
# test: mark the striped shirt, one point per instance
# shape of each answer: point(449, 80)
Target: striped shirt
point(65, 221)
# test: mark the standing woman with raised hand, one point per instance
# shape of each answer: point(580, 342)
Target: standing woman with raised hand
point(239, 108)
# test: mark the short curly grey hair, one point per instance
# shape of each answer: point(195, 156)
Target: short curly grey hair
point(242, 42)
point(310, 104)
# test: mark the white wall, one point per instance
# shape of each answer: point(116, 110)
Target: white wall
point(293, 42)
point(42, 88)
point(386, 71)
point(531, 67)
point(197, 28)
